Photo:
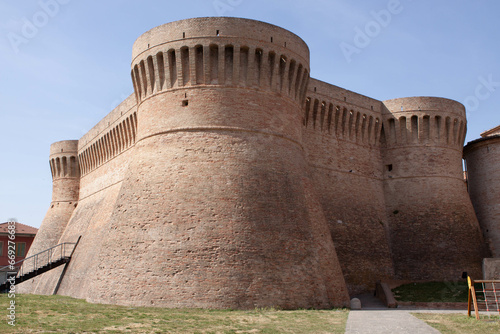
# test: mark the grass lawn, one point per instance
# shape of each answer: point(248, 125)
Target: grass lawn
point(458, 323)
point(58, 314)
point(432, 292)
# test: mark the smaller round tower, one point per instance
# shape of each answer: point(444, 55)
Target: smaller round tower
point(434, 233)
point(482, 158)
point(63, 162)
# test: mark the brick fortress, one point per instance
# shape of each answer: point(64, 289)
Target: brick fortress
point(231, 179)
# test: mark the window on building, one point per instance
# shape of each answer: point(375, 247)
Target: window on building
point(20, 249)
point(1, 248)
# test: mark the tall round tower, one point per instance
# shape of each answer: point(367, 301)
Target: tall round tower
point(482, 158)
point(434, 233)
point(217, 209)
point(63, 162)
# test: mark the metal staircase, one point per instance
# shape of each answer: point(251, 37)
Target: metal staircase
point(38, 264)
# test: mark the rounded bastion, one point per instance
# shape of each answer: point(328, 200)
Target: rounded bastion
point(433, 222)
point(189, 62)
point(217, 209)
point(65, 187)
point(482, 157)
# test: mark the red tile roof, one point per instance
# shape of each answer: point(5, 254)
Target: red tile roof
point(20, 229)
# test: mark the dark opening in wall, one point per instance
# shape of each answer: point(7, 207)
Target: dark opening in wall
point(271, 40)
point(345, 99)
point(185, 103)
point(218, 33)
point(271, 62)
point(183, 35)
point(244, 55)
point(308, 108)
point(258, 65)
point(214, 64)
point(161, 69)
point(229, 63)
point(389, 168)
point(281, 77)
point(200, 76)
point(414, 128)
point(172, 67)
point(186, 75)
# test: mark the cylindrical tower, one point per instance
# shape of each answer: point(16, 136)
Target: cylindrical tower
point(63, 162)
point(217, 209)
point(434, 232)
point(482, 157)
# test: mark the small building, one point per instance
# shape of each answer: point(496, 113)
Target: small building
point(24, 236)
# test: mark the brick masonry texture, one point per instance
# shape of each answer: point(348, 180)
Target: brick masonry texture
point(231, 179)
point(482, 158)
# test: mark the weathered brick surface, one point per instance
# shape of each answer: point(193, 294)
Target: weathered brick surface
point(225, 231)
point(345, 158)
point(491, 269)
point(230, 179)
point(434, 232)
point(482, 158)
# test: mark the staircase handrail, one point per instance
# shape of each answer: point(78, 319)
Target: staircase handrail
point(48, 250)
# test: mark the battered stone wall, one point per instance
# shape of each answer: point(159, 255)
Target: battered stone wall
point(83, 173)
point(482, 158)
point(435, 234)
point(341, 136)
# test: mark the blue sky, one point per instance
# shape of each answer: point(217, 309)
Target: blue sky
point(65, 66)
